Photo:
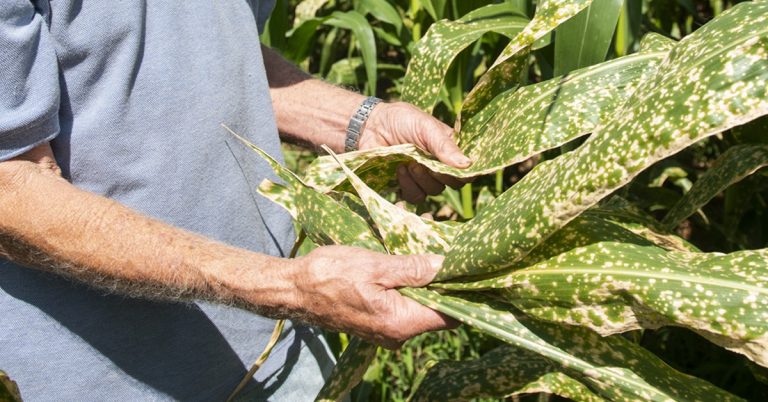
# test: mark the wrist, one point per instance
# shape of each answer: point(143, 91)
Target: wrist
point(256, 282)
point(358, 123)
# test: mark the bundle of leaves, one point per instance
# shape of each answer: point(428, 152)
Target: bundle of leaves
point(559, 266)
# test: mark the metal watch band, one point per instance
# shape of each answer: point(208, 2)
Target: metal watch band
point(357, 123)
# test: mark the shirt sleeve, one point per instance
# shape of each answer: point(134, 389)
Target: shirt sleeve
point(29, 78)
point(265, 8)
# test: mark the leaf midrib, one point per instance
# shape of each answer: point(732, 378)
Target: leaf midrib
point(577, 269)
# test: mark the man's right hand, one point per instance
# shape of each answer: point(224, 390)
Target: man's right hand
point(354, 290)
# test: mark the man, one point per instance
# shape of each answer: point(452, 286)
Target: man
point(116, 180)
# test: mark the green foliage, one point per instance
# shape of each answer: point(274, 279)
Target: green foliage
point(9, 391)
point(588, 289)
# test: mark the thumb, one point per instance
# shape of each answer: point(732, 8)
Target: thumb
point(412, 271)
point(439, 142)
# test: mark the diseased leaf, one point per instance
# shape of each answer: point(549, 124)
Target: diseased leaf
point(349, 370)
point(653, 42)
point(514, 127)
point(9, 391)
point(325, 220)
point(502, 372)
point(445, 39)
point(559, 384)
point(712, 80)
point(612, 367)
point(616, 287)
point(621, 212)
point(307, 9)
point(734, 165)
point(403, 232)
point(505, 72)
point(546, 115)
point(594, 226)
point(279, 194)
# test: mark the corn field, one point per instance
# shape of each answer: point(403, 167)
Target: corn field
point(611, 246)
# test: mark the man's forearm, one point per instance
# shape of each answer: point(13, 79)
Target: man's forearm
point(308, 110)
point(47, 223)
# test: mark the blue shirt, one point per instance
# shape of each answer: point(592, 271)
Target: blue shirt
point(131, 95)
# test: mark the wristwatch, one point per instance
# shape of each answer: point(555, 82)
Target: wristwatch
point(357, 123)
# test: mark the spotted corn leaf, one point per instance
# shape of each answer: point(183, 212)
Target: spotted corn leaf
point(612, 367)
point(594, 226)
point(712, 80)
point(514, 58)
point(653, 42)
point(306, 10)
point(349, 370)
point(403, 232)
point(561, 385)
point(515, 126)
point(9, 390)
point(503, 372)
point(621, 212)
point(445, 39)
point(542, 116)
point(734, 165)
point(281, 195)
point(325, 220)
point(607, 223)
point(616, 287)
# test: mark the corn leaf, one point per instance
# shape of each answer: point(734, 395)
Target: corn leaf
point(403, 232)
point(629, 26)
point(505, 72)
point(503, 372)
point(734, 165)
point(592, 227)
point(325, 220)
point(546, 115)
point(307, 9)
point(9, 391)
point(712, 80)
point(616, 287)
point(366, 41)
point(445, 39)
point(612, 367)
point(561, 385)
point(349, 370)
point(514, 127)
point(584, 39)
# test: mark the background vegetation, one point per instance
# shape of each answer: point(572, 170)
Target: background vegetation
point(367, 44)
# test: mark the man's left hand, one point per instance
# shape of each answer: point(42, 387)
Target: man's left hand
point(400, 123)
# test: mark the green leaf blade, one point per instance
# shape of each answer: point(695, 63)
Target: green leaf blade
point(734, 165)
point(679, 105)
point(584, 39)
point(434, 53)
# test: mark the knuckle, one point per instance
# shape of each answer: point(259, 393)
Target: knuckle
point(417, 269)
point(380, 306)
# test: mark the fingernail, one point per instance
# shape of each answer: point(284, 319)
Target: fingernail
point(462, 161)
point(436, 261)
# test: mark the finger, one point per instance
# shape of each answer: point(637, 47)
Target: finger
point(414, 318)
point(409, 190)
point(439, 142)
point(410, 270)
point(422, 177)
point(450, 181)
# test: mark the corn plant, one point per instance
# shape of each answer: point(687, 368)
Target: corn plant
point(559, 266)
